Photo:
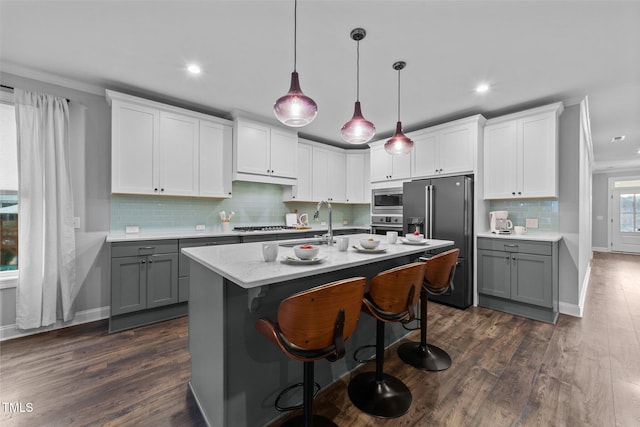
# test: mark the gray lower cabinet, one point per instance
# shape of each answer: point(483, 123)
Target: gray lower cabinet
point(519, 277)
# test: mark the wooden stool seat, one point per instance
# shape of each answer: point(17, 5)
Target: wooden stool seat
point(392, 297)
point(438, 279)
point(313, 325)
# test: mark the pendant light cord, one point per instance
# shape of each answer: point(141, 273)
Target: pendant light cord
point(295, 32)
point(398, 95)
point(358, 70)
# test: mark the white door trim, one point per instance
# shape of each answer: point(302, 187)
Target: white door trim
point(615, 243)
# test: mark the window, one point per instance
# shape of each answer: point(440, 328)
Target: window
point(630, 213)
point(8, 190)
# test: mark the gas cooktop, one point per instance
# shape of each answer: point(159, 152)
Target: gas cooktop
point(265, 228)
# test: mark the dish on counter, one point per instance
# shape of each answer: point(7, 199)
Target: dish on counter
point(377, 250)
point(292, 260)
point(414, 242)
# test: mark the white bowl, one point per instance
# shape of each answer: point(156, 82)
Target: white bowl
point(414, 238)
point(306, 251)
point(369, 243)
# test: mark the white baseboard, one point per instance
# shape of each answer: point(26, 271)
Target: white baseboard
point(11, 331)
point(573, 309)
point(599, 249)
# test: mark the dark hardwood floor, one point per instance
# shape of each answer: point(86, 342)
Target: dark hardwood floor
point(507, 370)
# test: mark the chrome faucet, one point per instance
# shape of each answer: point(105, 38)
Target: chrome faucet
point(316, 215)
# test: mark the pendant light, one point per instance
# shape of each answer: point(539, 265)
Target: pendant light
point(399, 143)
point(358, 130)
point(295, 109)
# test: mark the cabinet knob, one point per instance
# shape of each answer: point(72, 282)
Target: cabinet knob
point(143, 262)
point(155, 189)
point(513, 193)
point(513, 258)
point(162, 189)
point(519, 193)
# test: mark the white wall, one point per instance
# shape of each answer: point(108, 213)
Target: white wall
point(90, 143)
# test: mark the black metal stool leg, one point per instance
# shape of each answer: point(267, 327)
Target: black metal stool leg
point(377, 393)
point(307, 419)
point(420, 354)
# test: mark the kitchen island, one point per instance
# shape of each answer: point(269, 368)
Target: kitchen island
point(236, 373)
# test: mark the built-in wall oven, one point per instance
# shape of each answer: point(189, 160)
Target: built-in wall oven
point(386, 201)
point(380, 224)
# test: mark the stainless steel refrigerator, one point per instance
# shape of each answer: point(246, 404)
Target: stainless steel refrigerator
point(442, 208)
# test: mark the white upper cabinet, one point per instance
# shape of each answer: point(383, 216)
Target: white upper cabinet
point(158, 149)
point(215, 159)
point(521, 154)
point(357, 170)
point(302, 191)
point(385, 167)
point(178, 165)
point(446, 149)
point(328, 175)
point(263, 153)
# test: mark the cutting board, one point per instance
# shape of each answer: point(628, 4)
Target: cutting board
point(290, 219)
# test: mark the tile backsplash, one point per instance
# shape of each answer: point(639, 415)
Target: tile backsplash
point(545, 210)
point(253, 204)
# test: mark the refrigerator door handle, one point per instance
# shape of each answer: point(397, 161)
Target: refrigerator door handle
point(431, 190)
point(427, 192)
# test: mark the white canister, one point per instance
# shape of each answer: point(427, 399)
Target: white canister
point(270, 251)
point(343, 243)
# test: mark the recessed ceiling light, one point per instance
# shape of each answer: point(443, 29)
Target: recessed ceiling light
point(194, 69)
point(618, 138)
point(482, 88)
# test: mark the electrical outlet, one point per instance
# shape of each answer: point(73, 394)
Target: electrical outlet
point(345, 222)
point(131, 229)
point(531, 223)
point(200, 227)
point(76, 222)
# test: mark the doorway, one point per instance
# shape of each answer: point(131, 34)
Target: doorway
point(625, 214)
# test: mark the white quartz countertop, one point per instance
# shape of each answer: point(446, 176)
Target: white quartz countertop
point(540, 237)
point(244, 264)
point(163, 235)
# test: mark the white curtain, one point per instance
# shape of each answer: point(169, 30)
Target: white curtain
point(47, 284)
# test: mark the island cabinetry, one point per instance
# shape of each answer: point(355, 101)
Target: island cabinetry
point(518, 276)
point(446, 149)
point(183, 261)
point(263, 153)
point(521, 154)
point(385, 167)
point(143, 275)
point(158, 149)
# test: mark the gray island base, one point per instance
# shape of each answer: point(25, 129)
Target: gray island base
point(236, 373)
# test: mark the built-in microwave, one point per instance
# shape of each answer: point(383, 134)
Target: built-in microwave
point(386, 201)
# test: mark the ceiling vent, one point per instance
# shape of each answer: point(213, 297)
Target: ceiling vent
point(618, 138)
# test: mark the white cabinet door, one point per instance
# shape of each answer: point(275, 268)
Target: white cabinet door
point(320, 180)
point(253, 148)
point(357, 177)
point(134, 131)
point(538, 161)
point(500, 160)
point(215, 159)
point(457, 149)
point(302, 190)
point(178, 166)
point(283, 154)
point(381, 164)
point(426, 161)
point(337, 176)
point(400, 166)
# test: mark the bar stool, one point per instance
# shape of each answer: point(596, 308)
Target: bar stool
point(391, 298)
point(438, 278)
point(313, 325)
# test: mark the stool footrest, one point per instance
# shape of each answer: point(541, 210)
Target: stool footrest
point(288, 389)
point(389, 398)
point(362, 347)
point(427, 357)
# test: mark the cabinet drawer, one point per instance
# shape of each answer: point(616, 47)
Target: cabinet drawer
point(148, 247)
point(512, 245)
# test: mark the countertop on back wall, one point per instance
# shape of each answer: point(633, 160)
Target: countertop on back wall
point(184, 234)
point(535, 236)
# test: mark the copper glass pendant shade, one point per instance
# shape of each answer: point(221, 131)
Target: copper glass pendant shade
point(399, 143)
point(358, 130)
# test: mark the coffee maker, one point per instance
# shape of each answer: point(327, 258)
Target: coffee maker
point(500, 223)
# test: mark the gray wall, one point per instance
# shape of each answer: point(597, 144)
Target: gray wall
point(568, 203)
point(90, 139)
point(601, 201)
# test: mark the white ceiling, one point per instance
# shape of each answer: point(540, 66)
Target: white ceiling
point(531, 52)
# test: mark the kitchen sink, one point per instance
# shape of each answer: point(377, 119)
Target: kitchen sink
point(292, 243)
